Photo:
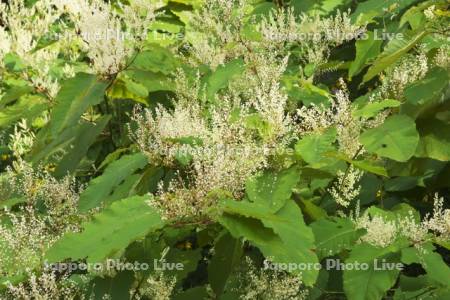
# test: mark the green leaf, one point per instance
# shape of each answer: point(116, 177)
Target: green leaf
point(371, 109)
point(227, 255)
point(437, 269)
point(113, 288)
point(43, 148)
point(312, 148)
point(124, 190)
point(425, 94)
point(108, 233)
point(85, 137)
point(334, 235)
point(155, 59)
point(415, 16)
point(311, 210)
point(368, 10)
point(370, 284)
point(394, 50)
point(9, 203)
point(26, 107)
point(434, 140)
point(365, 165)
point(396, 138)
point(222, 76)
point(100, 187)
point(273, 189)
point(366, 49)
point(151, 81)
point(75, 96)
point(284, 237)
point(14, 93)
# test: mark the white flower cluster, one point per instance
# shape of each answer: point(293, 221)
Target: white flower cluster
point(280, 26)
point(59, 197)
point(5, 44)
point(269, 284)
point(107, 35)
point(158, 286)
point(409, 69)
point(429, 12)
point(314, 35)
point(23, 243)
point(439, 222)
point(100, 29)
point(45, 286)
point(22, 140)
point(216, 26)
point(346, 188)
point(26, 25)
point(442, 58)
point(382, 232)
point(319, 118)
point(223, 150)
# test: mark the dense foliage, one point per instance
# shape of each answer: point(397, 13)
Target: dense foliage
point(224, 149)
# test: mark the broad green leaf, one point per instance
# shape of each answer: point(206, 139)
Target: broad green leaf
point(396, 138)
point(119, 90)
point(370, 284)
point(284, 237)
point(220, 78)
point(394, 50)
point(410, 286)
point(44, 148)
point(155, 59)
point(312, 148)
point(152, 81)
point(366, 49)
point(371, 109)
point(436, 268)
point(99, 188)
point(415, 16)
point(272, 188)
point(434, 140)
point(227, 255)
point(124, 190)
point(371, 167)
point(188, 258)
point(9, 203)
point(111, 157)
point(75, 96)
point(426, 93)
point(310, 94)
point(14, 93)
point(313, 211)
point(110, 231)
point(371, 9)
point(27, 107)
point(113, 288)
point(365, 165)
point(85, 137)
point(334, 235)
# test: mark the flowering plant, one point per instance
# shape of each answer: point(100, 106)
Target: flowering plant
point(224, 149)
